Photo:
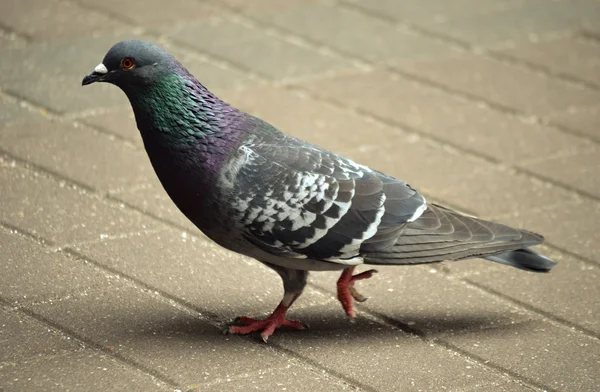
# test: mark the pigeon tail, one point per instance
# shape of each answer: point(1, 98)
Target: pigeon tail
point(524, 259)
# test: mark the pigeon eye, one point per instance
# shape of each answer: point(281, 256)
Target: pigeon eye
point(127, 64)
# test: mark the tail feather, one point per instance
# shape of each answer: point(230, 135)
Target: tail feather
point(524, 259)
point(441, 234)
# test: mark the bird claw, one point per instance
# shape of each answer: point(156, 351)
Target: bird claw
point(347, 291)
point(266, 326)
point(357, 296)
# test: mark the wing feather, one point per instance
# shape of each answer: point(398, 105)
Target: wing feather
point(296, 200)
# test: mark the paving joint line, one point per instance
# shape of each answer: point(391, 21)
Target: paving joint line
point(81, 340)
point(106, 132)
point(579, 257)
point(241, 377)
point(499, 107)
point(333, 373)
point(10, 31)
point(491, 53)
point(21, 233)
point(563, 323)
point(553, 124)
point(32, 103)
point(524, 64)
point(590, 36)
point(110, 237)
point(204, 315)
point(528, 382)
point(47, 172)
point(73, 118)
point(148, 214)
point(111, 15)
point(40, 358)
point(425, 338)
point(543, 178)
point(92, 192)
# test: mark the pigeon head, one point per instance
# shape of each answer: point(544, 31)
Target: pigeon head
point(133, 64)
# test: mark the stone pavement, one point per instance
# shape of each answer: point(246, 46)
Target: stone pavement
point(489, 106)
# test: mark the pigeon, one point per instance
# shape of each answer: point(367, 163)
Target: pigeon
point(289, 204)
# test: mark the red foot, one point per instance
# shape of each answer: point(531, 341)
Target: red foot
point(346, 290)
point(267, 326)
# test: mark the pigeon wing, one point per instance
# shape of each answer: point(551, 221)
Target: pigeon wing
point(296, 200)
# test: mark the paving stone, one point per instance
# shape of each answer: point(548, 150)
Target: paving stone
point(585, 121)
point(378, 351)
point(48, 20)
point(445, 117)
point(89, 157)
point(569, 291)
point(539, 352)
point(289, 379)
point(215, 77)
point(27, 268)
point(423, 165)
point(11, 40)
point(197, 271)
point(433, 11)
point(572, 226)
point(153, 199)
point(153, 13)
point(260, 6)
point(12, 111)
point(254, 49)
point(354, 33)
point(497, 190)
point(149, 330)
point(507, 386)
point(301, 116)
point(508, 85)
point(577, 171)
point(56, 212)
point(86, 370)
point(410, 295)
point(529, 21)
point(50, 75)
point(568, 56)
point(474, 185)
point(48, 60)
point(23, 337)
point(120, 122)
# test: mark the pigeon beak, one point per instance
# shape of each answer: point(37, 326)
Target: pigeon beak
point(96, 76)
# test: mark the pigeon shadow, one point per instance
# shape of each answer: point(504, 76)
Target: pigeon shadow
point(324, 323)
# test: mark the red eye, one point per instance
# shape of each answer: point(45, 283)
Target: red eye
point(127, 63)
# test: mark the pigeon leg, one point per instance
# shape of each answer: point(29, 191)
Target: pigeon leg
point(347, 292)
point(267, 326)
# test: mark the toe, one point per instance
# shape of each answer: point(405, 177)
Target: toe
point(294, 324)
point(356, 295)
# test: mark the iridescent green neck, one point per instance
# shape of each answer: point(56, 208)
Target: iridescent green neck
point(177, 108)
